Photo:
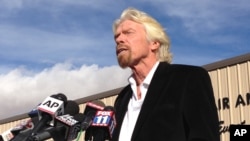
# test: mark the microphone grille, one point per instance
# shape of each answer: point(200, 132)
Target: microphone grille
point(71, 108)
point(109, 108)
point(62, 97)
point(98, 102)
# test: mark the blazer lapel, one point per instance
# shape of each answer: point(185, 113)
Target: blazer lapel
point(123, 99)
point(154, 89)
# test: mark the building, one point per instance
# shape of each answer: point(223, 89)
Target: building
point(231, 83)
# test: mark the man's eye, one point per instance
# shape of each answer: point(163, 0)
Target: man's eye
point(128, 32)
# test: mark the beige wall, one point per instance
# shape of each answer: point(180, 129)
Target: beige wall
point(231, 86)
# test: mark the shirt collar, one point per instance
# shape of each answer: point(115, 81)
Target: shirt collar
point(148, 78)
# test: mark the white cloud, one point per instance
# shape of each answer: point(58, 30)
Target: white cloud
point(21, 89)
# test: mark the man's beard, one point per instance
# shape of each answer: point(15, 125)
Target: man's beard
point(124, 60)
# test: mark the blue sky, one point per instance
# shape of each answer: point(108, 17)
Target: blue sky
point(67, 45)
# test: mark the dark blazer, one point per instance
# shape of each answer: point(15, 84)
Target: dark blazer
point(179, 106)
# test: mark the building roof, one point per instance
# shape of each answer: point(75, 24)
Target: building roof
point(227, 62)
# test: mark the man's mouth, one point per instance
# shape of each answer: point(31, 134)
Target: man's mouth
point(118, 51)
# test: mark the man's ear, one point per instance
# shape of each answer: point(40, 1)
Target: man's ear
point(155, 45)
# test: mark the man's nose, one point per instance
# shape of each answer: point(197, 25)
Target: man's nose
point(120, 39)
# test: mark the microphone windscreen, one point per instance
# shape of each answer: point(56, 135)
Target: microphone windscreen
point(71, 108)
point(98, 102)
point(60, 96)
point(93, 106)
point(79, 117)
point(109, 108)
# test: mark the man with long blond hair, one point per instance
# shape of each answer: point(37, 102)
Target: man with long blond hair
point(163, 101)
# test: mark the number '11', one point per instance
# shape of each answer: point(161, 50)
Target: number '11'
point(102, 119)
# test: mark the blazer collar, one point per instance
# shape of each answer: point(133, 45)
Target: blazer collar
point(157, 83)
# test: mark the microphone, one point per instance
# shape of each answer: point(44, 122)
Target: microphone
point(104, 123)
point(7, 135)
point(22, 126)
point(51, 107)
point(33, 112)
point(71, 108)
point(71, 125)
point(88, 120)
point(91, 108)
point(50, 132)
point(67, 129)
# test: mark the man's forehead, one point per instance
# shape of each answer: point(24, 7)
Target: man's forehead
point(128, 24)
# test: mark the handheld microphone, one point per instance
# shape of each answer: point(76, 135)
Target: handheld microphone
point(71, 108)
point(51, 132)
point(59, 128)
point(71, 125)
point(67, 129)
point(7, 135)
point(90, 110)
point(88, 120)
point(94, 106)
point(104, 123)
point(22, 126)
point(33, 113)
point(51, 107)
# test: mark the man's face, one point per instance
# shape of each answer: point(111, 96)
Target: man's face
point(132, 47)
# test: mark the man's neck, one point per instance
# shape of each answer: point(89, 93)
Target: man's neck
point(141, 71)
